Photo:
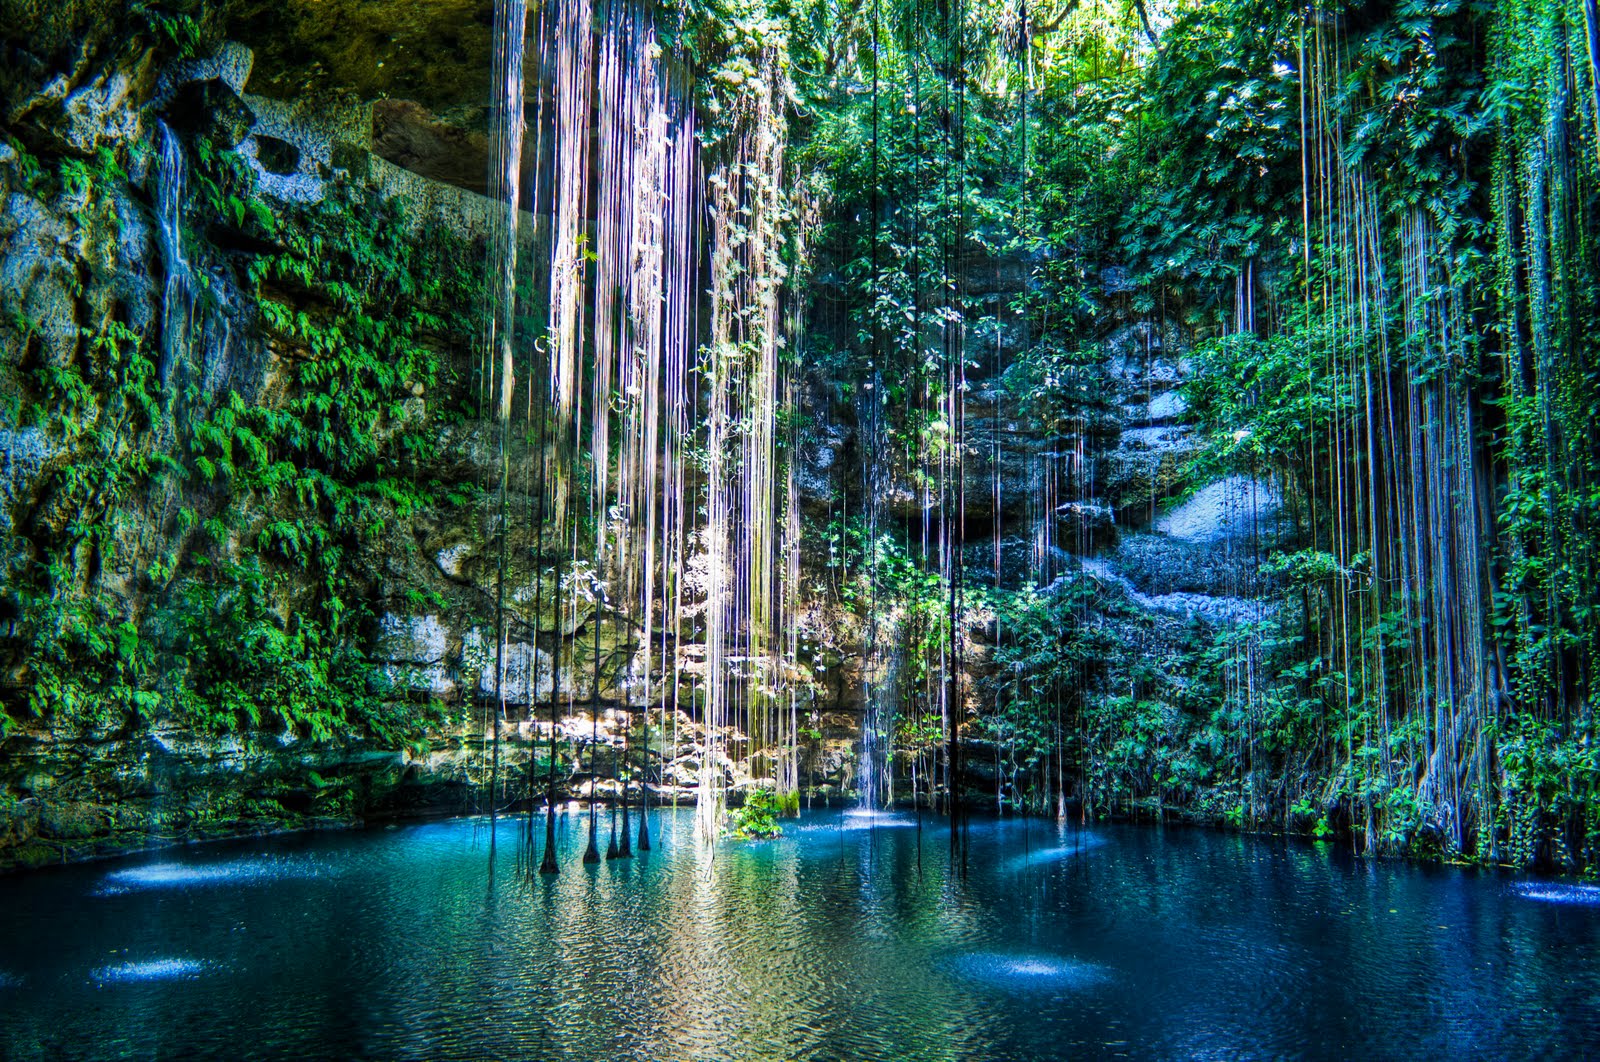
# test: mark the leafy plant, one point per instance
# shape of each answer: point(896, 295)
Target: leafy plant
point(757, 818)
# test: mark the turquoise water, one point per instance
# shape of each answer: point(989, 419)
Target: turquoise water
point(849, 938)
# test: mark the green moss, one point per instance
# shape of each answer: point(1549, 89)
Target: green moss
point(71, 821)
point(267, 631)
point(34, 854)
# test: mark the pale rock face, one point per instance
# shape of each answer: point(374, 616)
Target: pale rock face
point(100, 113)
point(527, 668)
point(1158, 440)
point(125, 280)
point(414, 649)
point(1233, 508)
point(37, 274)
point(433, 680)
point(1214, 608)
point(449, 559)
point(304, 182)
point(415, 640)
point(23, 455)
point(634, 684)
point(1167, 407)
point(231, 65)
point(53, 91)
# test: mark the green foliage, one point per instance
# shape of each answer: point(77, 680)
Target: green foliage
point(1438, 300)
point(353, 298)
point(880, 576)
point(861, 567)
point(1550, 809)
point(102, 408)
point(249, 662)
point(87, 666)
point(1370, 230)
point(85, 660)
point(1304, 568)
point(1305, 811)
point(241, 521)
point(757, 818)
point(733, 45)
point(1047, 655)
point(1217, 136)
point(1057, 387)
point(181, 28)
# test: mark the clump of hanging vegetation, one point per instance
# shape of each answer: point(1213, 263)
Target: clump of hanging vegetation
point(1372, 227)
point(204, 564)
point(757, 818)
point(1419, 377)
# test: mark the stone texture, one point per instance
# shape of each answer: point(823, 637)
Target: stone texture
point(100, 114)
point(311, 140)
point(24, 454)
point(412, 652)
point(1236, 508)
point(38, 274)
point(230, 64)
point(70, 262)
point(67, 796)
point(431, 51)
point(409, 135)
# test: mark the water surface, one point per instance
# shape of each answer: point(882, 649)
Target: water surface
point(849, 938)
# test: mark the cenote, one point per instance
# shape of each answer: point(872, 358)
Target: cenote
point(842, 939)
point(437, 437)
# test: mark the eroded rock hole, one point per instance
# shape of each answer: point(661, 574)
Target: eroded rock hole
point(277, 156)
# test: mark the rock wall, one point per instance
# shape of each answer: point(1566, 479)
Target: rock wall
point(311, 110)
point(314, 99)
point(73, 795)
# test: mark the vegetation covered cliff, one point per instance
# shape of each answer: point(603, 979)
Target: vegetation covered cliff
point(1327, 271)
point(1095, 407)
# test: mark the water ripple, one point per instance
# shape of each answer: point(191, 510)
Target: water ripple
point(1047, 856)
point(828, 943)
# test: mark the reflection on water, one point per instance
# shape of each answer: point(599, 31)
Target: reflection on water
point(1030, 972)
point(1550, 893)
point(149, 970)
point(1039, 857)
point(181, 875)
point(846, 938)
point(864, 819)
